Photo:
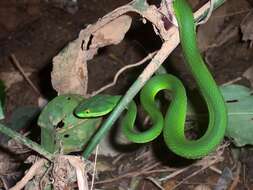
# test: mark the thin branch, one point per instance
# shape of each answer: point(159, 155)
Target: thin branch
point(115, 79)
point(237, 177)
point(155, 182)
point(27, 142)
point(36, 167)
point(210, 11)
point(20, 69)
point(232, 81)
point(174, 174)
point(94, 168)
point(135, 174)
point(206, 163)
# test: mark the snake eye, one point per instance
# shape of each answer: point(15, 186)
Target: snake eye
point(87, 111)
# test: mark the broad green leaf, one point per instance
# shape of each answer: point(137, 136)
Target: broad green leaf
point(61, 130)
point(239, 102)
point(2, 99)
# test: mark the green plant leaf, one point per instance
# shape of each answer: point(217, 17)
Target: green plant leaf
point(61, 130)
point(2, 99)
point(239, 100)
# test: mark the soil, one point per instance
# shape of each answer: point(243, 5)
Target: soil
point(35, 31)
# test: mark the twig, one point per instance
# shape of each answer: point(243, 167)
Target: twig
point(244, 173)
point(117, 159)
point(143, 155)
point(206, 163)
point(135, 174)
point(213, 168)
point(29, 175)
point(81, 174)
point(155, 182)
point(94, 168)
point(44, 176)
point(18, 66)
point(150, 166)
point(174, 174)
point(210, 11)
point(147, 170)
point(232, 81)
point(208, 159)
point(115, 79)
point(196, 172)
point(237, 177)
point(27, 142)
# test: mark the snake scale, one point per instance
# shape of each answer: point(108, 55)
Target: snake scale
point(172, 124)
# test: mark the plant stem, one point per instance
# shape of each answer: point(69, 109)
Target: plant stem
point(2, 99)
point(156, 62)
point(27, 142)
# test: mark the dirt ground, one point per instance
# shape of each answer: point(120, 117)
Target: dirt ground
point(35, 31)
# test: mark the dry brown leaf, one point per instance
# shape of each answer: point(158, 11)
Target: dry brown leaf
point(169, 184)
point(111, 33)
point(202, 187)
point(247, 27)
point(70, 73)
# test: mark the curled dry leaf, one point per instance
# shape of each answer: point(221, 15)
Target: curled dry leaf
point(111, 33)
point(70, 73)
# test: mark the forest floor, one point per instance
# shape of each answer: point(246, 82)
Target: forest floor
point(35, 31)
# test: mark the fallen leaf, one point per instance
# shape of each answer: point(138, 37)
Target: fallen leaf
point(111, 33)
point(239, 101)
point(70, 74)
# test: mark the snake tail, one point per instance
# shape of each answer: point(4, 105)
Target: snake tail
point(173, 132)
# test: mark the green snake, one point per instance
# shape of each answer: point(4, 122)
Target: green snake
point(172, 125)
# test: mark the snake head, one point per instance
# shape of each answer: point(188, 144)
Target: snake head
point(96, 106)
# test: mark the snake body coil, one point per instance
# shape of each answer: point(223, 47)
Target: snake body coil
point(172, 125)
